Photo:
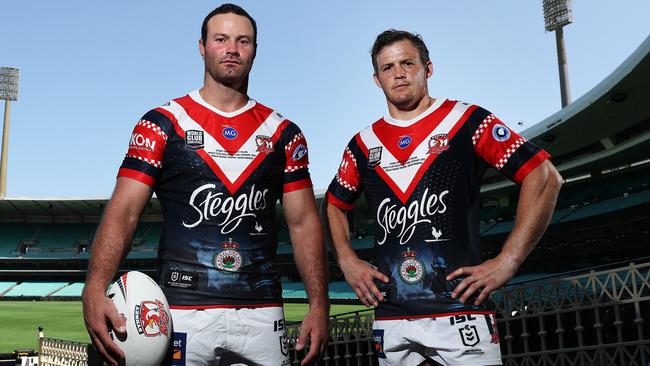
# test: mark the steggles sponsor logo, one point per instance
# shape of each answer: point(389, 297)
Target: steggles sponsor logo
point(139, 142)
point(403, 220)
point(228, 211)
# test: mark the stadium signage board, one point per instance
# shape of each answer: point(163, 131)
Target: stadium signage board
point(9, 83)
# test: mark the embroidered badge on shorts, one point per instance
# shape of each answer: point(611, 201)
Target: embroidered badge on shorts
point(411, 270)
point(229, 258)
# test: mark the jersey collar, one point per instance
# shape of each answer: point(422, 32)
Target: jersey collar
point(402, 123)
point(196, 96)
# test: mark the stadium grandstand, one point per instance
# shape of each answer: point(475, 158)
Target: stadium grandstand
point(583, 294)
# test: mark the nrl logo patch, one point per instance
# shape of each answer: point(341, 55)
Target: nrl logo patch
point(374, 157)
point(264, 144)
point(411, 269)
point(284, 344)
point(469, 335)
point(229, 259)
point(194, 139)
point(438, 144)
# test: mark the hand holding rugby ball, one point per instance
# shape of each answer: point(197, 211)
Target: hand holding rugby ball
point(148, 321)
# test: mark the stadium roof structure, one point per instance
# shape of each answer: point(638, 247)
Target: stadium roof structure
point(607, 129)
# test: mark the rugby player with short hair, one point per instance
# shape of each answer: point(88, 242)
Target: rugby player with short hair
point(218, 162)
point(420, 168)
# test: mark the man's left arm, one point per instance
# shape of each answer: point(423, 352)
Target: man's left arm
point(309, 252)
point(539, 191)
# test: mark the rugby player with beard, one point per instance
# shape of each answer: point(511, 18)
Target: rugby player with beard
point(420, 169)
point(218, 162)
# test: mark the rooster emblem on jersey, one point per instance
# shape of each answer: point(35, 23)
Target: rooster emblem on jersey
point(438, 144)
point(264, 144)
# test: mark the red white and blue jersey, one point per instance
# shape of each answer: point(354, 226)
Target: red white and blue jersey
point(218, 177)
point(421, 179)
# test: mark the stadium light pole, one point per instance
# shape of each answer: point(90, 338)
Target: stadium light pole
point(8, 92)
point(557, 14)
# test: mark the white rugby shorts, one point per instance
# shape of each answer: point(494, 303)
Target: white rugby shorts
point(255, 335)
point(468, 339)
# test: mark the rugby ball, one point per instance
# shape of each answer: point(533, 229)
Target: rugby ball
point(141, 302)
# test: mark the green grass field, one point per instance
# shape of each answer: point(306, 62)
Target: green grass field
point(19, 321)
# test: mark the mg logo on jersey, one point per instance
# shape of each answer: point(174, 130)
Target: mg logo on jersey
point(404, 141)
point(228, 211)
point(139, 142)
point(469, 335)
point(403, 220)
point(229, 132)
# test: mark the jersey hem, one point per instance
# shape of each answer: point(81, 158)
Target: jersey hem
point(226, 306)
point(408, 317)
point(136, 175)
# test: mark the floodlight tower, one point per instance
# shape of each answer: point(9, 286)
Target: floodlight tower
point(8, 92)
point(557, 14)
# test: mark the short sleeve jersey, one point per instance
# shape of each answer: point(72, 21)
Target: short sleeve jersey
point(421, 179)
point(218, 177)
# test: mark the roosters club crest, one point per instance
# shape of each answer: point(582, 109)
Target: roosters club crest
point(264, 144)
point(438, 144)
point(151, 319)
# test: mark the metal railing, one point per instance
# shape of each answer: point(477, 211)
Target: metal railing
point(350, 341)
point(593, 319)
point(597, 318)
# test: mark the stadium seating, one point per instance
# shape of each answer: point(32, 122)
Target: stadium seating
point(11, 235)
point(39, 289)
point(73, 289)
point(337, 290)
point(5, 286)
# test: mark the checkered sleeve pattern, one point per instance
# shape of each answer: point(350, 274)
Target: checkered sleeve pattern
point(505, 150)
point(346, 185)
point(144, 158)
point(296, 157)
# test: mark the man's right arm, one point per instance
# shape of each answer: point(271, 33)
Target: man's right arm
point(358, 273)
point(111, 244)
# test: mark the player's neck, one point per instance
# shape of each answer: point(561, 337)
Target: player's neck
point(222, 97)
point(407, 113)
